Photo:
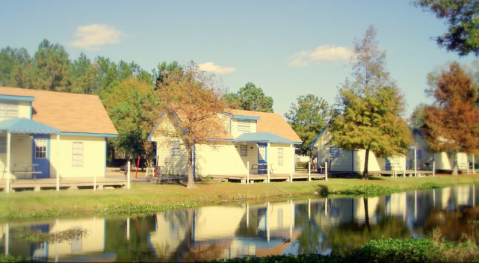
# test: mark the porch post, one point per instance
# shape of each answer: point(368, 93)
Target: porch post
point(58, 162)
point(267, 223)
point(473, 164)
point(294, 164)
point(9, 165)
point(267, 163)
point(128, 177)
point(247, 172)
point(415, 163)
point(309, 171)
point(7, 238)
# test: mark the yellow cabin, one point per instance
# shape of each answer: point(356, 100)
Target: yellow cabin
point(44, 134)
point(262, 140)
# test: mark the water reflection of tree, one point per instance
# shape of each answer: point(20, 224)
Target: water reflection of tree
point(351, 235)
point(311, 240)
point(457, 225)
point(129, 250)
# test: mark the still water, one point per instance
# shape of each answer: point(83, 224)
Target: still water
point(320, 225)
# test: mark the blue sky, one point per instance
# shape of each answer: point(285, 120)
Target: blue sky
point(288, 48)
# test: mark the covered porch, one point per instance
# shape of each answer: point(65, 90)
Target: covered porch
point(25, 150)
point(275, 156)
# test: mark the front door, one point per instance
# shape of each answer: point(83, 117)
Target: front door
point(262, 166)
point(41, 155)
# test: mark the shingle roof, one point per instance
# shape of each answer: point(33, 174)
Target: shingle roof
point(270, 122)
point(67, 112)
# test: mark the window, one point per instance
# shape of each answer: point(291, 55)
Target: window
point(76, 239)
point(280, 156)
point(243, 150)
point(77, 154)
point(175, 148)
point(243, 125)
point(9, 109)
point(3, 144)
point(40, 148)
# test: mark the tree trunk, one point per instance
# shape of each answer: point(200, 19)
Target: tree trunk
point(191, 179)
point(455, 168)
point(366, 161)
point(366, 213)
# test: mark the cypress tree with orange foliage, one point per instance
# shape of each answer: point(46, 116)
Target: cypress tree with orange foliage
point(452, 121)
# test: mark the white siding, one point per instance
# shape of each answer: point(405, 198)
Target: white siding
point(21, 153)
point(288, 158)
point(94, 156)
point(353, 160)
point(234, 127)
point(23, 109)
point(222, 159)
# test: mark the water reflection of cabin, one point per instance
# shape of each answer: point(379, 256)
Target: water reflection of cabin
point(72, 249)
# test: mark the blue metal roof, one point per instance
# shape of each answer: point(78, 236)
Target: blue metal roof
point(263, 137)
point(27, 126)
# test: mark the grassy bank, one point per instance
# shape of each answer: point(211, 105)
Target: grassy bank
point(385, 250)
point(380, 250)
point(146, 198)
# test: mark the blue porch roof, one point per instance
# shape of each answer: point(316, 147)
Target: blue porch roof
point(262, 137)
point(26, 126)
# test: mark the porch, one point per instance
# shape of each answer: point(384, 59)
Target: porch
point(244, 179)
point(70, 183)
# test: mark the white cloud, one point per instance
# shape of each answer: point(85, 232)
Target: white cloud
point(211, 67)
point(94, 36)
point(320, 54)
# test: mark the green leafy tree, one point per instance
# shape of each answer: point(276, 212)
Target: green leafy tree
point(452, 121)
point(125, 104)
point(368, 113)
point(462, 19)
point(250, 98)
point(307, 118)
point(417, 120)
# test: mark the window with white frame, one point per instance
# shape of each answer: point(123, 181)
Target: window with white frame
point(280, 156)
point(77, 154)
point(76, 239)
point(243, 150)
point(40, 148)
point(9, 109)
point(3, 144)
point(243, 125)
point(175, 148)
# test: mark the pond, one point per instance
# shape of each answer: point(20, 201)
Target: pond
point(319, 225)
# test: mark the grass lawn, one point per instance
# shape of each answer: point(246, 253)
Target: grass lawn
point(150, 197)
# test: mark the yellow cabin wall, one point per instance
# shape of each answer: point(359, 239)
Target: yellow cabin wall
point(210, 222)
point(288, 158)
point(93, 241)
point(251, 157)
point(354, 160)
point(234, 127)
point(94, 156)
point(21, 153)
point(23, 109)
point(222, 159)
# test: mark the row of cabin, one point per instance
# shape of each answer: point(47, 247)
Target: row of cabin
point(44, 134)
point(342, 161)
